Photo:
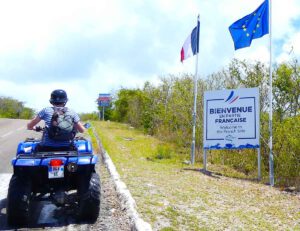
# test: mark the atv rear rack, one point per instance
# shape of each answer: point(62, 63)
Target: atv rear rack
point(53, 154)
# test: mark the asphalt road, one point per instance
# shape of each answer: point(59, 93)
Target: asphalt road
point(45, 215)
point(12, 132)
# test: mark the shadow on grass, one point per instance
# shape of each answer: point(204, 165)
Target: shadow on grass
point(205, 172)
point(217, 175)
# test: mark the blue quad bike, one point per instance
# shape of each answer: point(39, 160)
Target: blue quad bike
point(63, 177)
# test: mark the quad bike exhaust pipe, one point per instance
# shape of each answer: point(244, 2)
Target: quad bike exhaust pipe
point(72, 167)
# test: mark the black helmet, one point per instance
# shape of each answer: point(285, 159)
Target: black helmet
point(58, 97)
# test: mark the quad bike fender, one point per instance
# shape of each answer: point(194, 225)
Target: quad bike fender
point(81, 160)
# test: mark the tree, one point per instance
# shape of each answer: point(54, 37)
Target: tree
point(287, 89)
point(11, 108)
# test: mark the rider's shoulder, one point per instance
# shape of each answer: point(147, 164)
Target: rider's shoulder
point(46, 109)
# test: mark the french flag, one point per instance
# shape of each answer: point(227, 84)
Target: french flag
point(191, 44)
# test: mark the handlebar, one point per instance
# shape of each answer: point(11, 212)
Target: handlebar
point(39, 129)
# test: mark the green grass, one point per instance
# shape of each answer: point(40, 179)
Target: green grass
point(173, 196)
point(93, 140)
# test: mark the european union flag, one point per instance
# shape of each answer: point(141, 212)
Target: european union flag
point(252, 26)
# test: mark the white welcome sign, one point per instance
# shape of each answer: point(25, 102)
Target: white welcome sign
point(231, 119)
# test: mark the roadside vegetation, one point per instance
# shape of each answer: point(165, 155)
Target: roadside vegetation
point(14, 109)
point(165, 111)
point(172, 195)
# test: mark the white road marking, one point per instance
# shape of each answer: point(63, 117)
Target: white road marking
point(82, 227)
point(11, 132)
point(4, 182)
point(21, 128)
point(6, 134)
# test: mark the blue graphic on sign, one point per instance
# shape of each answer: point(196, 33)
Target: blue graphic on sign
point(231, 146)
point(231, 98)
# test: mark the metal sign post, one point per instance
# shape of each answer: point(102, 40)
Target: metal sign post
point(259, 164)
point(103, 113)
point(204, 160)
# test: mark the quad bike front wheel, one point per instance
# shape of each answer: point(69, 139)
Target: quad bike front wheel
point(18, 201)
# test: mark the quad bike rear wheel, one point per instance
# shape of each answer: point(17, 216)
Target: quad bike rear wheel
point(89, 191)
point(18, 201)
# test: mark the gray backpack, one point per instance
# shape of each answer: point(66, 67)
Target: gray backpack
point(62, 125)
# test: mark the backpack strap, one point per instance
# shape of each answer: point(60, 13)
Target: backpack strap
point(54, 115)
point(54, 109)
point(64, 110)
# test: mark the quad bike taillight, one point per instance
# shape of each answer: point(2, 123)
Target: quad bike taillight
point(56, 162)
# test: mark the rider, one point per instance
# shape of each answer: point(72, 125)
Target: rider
point(58, 100)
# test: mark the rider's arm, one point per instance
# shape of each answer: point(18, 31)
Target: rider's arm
point(33, 122)
point(79, 127)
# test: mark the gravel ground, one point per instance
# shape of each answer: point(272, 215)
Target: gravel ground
point(112, 216)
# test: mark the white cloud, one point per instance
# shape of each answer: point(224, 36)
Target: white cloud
point(94, 47)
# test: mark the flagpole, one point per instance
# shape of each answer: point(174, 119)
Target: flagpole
point(195, 96)
point(271, 157)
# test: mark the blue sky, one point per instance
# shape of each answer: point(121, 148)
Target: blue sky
point(92, 47)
